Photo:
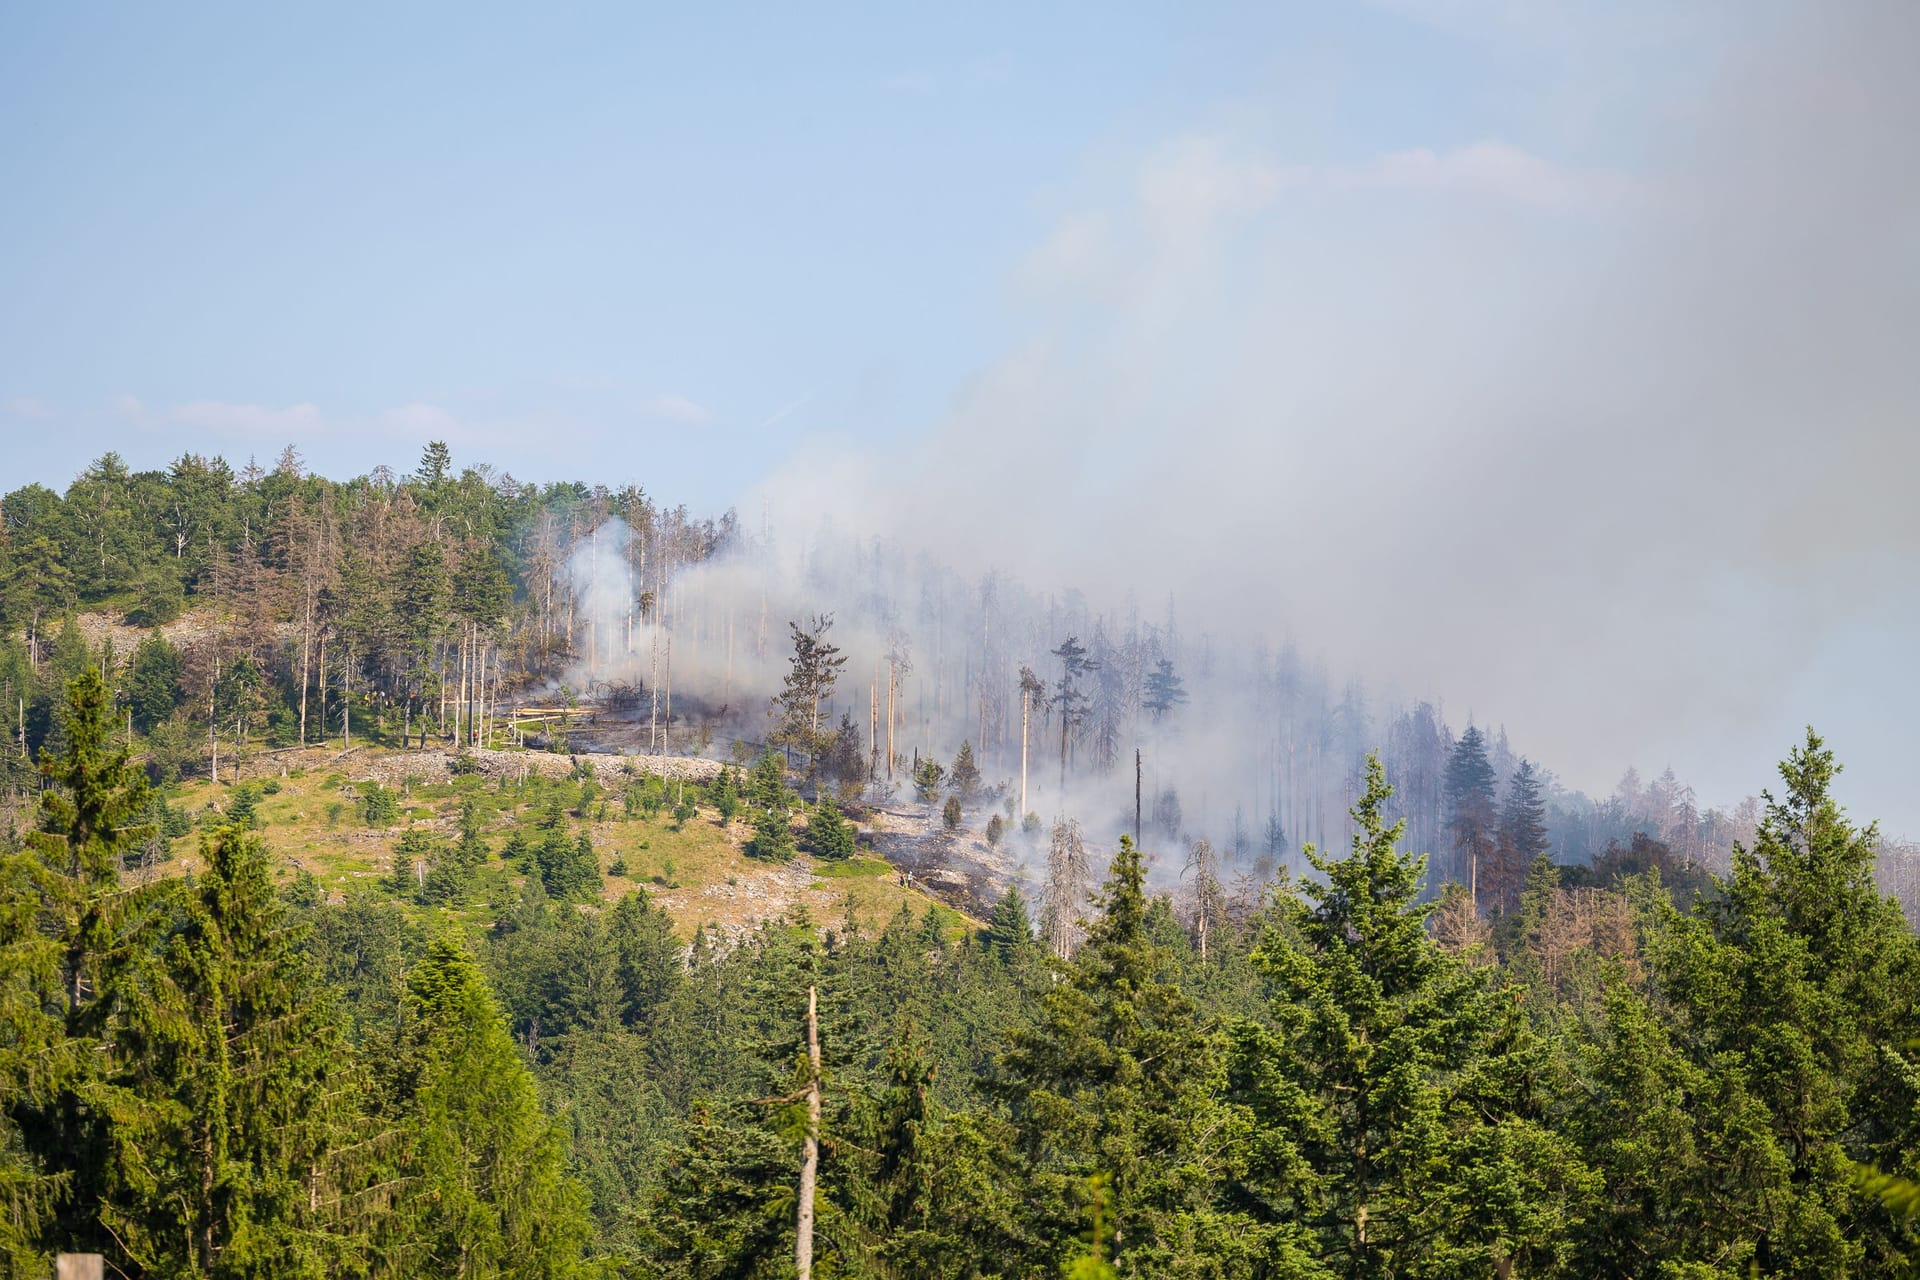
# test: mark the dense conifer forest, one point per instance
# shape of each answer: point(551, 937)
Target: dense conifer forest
point(1402, 1007)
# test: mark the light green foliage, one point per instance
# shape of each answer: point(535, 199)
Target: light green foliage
point(927, 777)
point(772, 807)
point(488, 1192)
point(724, 794)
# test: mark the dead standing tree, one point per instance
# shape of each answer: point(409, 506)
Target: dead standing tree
point(1209, 899)
point(1068, 881)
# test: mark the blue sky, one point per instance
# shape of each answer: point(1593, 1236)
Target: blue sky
point(621, 221)
point(1579, 333)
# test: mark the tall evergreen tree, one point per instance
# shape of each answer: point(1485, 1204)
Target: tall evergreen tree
point(1397, 1134)
point(1009, 935)
point(1522, 837)
point(1115, 1077)
point(486, 1191)
point(1165, 691)
point(1471, 821)
point(1797, 982)
point(230, 1093)
point(74, 938)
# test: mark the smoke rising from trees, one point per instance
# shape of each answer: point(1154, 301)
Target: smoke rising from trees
point(1613, 450)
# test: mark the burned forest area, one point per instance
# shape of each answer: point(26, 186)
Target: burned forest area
point(435, 874)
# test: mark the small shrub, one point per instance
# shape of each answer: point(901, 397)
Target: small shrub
point(304, 892)
point(950, 813)
point(829, 835)
point(243, 807)
point(996, 829)
point(335, 812)
point(927, 779)
point(271, 787)
point(618, 867)
point(379, 807)
point(172, 823)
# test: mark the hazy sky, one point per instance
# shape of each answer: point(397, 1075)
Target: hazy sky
point(1557, 360)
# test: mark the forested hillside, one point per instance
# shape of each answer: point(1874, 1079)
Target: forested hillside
point(205, 1076)
point(338, 938)
point(270, 608)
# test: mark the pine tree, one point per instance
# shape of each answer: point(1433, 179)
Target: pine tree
point(1009, 935)
point(1116, 1077)
point(964, 777)
point(815, 669)
point(1391, 1089)
point(1793, 981)
point(1165, 690)
point(486, 1190)
point(1470, 809)
point(231, 1092)
point(927, 776)
point(1522, 837)
point(829, 835)
point(152, 684)
point(772, 813)
point(69, 934)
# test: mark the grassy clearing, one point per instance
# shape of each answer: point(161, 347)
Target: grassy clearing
point(313, 822)
point(852, 869)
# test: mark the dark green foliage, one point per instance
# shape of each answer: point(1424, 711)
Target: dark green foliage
point(230, 1093)
point(1165, 690)
point(996, 831)
point(1009, 934)
point(68, 931)
point(1470, 807)
point(950, 814)
point(964, 777)
point(1115, 1076)
point(772, 807)
point(684, 811)
point(724, 794)
point(379, 807)
point(1794, 981)
point(243, 807)
point(568, 868)
point(226, 1081)
point(1522, 837)
point(152, 684)
point(772, 839)
point(485, 1170)
point(1386, 1060)
point(829, 835)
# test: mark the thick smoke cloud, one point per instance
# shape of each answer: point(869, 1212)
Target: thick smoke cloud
point(1619, 455)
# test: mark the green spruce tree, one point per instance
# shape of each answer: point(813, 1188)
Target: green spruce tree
point(1398, 1134)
